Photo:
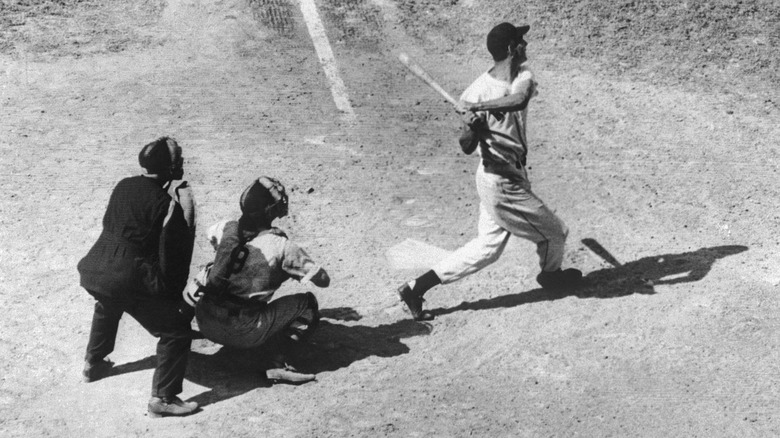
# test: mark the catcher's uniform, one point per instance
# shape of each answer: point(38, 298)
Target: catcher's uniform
point(243, 315)
point(507, 204)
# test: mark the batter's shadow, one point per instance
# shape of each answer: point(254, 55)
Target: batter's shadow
point(230, 372)
point(636, 277)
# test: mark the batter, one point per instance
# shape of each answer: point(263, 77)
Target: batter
point(494, 126)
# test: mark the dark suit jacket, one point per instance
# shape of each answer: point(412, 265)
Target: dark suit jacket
point(133, 255)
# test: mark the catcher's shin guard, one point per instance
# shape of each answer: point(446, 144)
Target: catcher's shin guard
point(302, 328)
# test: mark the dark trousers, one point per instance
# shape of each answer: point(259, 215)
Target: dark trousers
point(296, 314)
point(162, 319)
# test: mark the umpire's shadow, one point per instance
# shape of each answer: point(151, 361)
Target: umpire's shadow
point(147, 363)
point(230, 372)
point(639, 276)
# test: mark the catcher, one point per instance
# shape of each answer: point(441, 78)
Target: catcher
point(232, 295)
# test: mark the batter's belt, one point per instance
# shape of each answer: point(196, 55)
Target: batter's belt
point(503, 168)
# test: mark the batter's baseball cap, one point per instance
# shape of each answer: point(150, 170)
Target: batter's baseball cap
point(502, 36)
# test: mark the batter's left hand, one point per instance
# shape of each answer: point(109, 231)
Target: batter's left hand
point(471, 119)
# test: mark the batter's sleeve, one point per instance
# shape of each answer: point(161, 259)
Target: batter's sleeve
point(524, 80)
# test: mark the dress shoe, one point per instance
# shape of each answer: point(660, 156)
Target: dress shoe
point(288, 374)
point(96, 371)
point(170, 407)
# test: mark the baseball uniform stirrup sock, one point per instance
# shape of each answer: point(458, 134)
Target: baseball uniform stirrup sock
point(411, 293)
point(424, 282)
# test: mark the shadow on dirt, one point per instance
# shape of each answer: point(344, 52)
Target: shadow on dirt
point(337, 346)
point(227, 373)
point(640, 276)
point(147, 363)
point(341, 313)
point(230, 372)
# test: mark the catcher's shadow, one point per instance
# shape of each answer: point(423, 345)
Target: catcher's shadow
point(229, 372)
point(337, 346)
point(639, 276)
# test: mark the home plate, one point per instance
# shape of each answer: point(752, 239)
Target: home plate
point(413, 254)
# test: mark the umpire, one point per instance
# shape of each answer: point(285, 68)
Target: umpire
point(139, 266)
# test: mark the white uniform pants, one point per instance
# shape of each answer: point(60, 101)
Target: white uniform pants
point(507, 207)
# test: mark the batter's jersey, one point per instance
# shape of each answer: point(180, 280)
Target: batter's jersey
point(505, 143)
point(272, 259)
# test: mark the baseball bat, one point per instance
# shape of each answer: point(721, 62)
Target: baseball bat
point(425, 77)
point(602, 252)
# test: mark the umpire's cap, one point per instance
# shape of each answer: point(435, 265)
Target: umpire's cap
point(161, 156)
point(504, 35)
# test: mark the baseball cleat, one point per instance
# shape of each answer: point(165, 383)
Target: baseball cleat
point(170, 407)
point(414, 303)
point(95, 371)
point(560, 279)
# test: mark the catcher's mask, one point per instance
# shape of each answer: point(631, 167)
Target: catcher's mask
point(162, 157)
point(265, 196)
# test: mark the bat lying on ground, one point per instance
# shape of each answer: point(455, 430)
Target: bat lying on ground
point(425, 77)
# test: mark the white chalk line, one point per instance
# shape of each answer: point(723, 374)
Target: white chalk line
point(327, 60)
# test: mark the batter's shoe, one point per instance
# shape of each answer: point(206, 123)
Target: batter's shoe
point(414, 303)
point(560, 279)
point(95, 371)
point(170, 407)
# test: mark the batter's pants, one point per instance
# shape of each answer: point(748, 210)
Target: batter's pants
point(161, 318)
point(507, 207)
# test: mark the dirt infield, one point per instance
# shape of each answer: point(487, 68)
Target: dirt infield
point(654, 134)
